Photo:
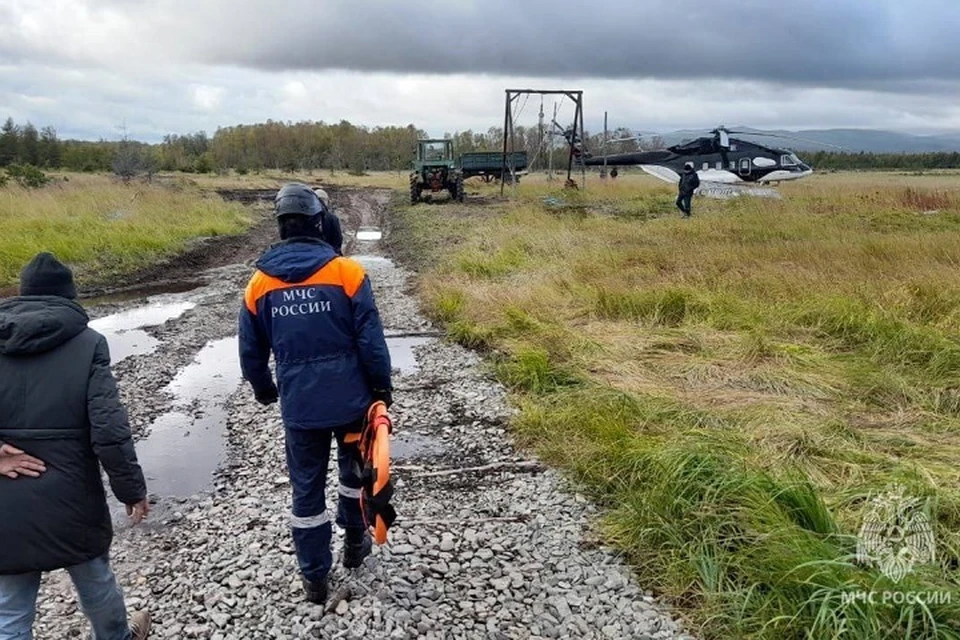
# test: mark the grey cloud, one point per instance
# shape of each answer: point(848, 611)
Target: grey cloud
point(88, 65)
point(814, 42)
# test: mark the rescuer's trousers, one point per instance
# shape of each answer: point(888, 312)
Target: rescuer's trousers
point(308, 458)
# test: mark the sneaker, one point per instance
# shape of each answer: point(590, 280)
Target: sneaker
point(315, 592)
point(140, 625)
point(357, 547)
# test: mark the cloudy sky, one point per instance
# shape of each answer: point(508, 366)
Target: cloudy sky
point(160, 66)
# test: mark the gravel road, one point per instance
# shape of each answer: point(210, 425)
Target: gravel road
point(489, 543)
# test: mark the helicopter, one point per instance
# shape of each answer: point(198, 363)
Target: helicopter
point(718, 158)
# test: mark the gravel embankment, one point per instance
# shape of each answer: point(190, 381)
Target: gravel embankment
point(502, 552)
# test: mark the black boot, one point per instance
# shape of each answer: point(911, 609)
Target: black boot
point(315, 592)
point(356, 547)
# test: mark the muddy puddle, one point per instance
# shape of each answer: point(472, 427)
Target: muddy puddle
point(184, 446)
point(402, 355)
point(372, 261)
point(124, 330)
point(369, 234)
point(134, 293)
point(407, 446)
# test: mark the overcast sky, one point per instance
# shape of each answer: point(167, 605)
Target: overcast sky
point(161, 66)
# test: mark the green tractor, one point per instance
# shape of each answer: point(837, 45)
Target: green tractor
point(435, 169)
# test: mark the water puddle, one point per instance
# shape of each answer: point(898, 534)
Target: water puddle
point(369, 233)
point(372, 262)
point(138, 292)
point(124, 333)
point(405, 446)
point(402, 356)
point(185, 446)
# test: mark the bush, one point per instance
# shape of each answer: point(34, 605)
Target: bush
point(26, 175)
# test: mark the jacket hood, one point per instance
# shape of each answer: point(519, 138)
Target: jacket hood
point(296, 259)
point(36, 324)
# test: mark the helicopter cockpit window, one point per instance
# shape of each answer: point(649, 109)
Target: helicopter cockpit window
point(789, 160)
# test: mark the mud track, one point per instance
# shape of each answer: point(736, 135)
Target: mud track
point(187, 270)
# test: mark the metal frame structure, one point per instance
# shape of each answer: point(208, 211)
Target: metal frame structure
point(510, 140)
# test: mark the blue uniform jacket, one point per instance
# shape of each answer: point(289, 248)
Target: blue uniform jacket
point(316, 312)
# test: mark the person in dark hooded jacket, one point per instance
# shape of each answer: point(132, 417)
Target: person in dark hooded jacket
point(689, 181)
point(315, 311)
point(59, 408)
point(330, 224)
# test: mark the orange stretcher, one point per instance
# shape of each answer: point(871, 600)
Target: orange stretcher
point(377, 489)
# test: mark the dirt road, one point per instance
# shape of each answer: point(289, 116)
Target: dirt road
point(488, 544)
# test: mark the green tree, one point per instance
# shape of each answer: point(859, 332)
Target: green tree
point(49, 148)
point(9, 143)
point(29, 145)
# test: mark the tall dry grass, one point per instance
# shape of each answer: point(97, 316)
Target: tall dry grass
point(104, 228)
point(734, 386)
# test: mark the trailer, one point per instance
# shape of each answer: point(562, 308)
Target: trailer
point(489, 165)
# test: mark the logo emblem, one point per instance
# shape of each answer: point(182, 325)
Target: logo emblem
point(896, 534)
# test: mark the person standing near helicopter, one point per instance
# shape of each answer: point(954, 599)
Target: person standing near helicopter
point(689, 181)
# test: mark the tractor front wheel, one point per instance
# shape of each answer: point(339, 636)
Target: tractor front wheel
point(414, 191)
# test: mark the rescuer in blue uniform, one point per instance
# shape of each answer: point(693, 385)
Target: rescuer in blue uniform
point(315, 311)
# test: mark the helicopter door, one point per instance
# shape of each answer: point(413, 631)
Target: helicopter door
point(744, 166)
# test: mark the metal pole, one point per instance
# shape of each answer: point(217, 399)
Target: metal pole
point(573, 141)
point(555, 108)
point(540, 133)
point(513, 148)
point(604, 174)
point(583, 166)
point(506, 120)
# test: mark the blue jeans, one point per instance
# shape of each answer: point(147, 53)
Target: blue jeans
point(308, 456)
point(100, 600)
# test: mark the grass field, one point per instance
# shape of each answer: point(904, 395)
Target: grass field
point(733, 388)
point(104, 228)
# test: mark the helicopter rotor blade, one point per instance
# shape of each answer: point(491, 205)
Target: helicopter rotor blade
point(779, 135)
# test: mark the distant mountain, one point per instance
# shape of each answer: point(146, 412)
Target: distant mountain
point(853, 140)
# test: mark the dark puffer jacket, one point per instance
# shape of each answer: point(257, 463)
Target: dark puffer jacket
point(59, 403)
point(330, 228)
point(689, 181)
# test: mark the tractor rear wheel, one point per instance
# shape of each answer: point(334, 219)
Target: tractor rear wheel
point(458, 189)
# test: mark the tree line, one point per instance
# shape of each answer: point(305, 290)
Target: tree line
point(347, 147)
point(866, 160)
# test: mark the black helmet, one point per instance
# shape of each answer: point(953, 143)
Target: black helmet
point(296, 199)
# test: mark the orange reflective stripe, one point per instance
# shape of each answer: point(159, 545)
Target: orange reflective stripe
point(340, 272)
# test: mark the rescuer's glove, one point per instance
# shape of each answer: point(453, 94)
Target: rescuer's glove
point(267, 396)
point(382, 395)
